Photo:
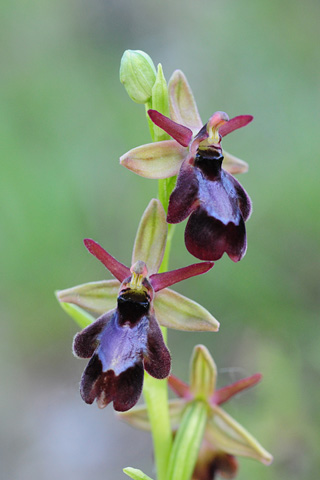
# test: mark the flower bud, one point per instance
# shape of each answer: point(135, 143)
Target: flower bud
point(138, 75)
point(203, 372)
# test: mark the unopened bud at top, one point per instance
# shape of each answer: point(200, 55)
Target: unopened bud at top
point(138, 75)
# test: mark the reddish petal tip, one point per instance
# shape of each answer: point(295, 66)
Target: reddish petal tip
point(160, 281)
point(234, 124)
point(118, 270)
point(180, 133)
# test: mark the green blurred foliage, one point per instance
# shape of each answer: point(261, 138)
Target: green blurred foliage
point(65, 119)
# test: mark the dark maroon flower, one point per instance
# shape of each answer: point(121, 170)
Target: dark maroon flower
point(206, 191)
point(121, 344)
point(217, 204)
point(126, 340)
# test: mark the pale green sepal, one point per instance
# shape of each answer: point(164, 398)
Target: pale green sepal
point(233, 164)
point(229, 436)
point(203, 374)
point(160, 102)
point(138, 75)
point(155, 160)
point(183, 108)
point(186, 445)
point(98, 297)
point(136, 474)
point(82, 318)
point(138, 416)
point(151, 237)
point(173, 310)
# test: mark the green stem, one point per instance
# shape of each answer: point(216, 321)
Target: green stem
point(185, 449)
point(156, 397)
point(156, 391)
point(165, 261)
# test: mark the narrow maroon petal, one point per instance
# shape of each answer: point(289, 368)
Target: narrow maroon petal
point(179, 387)
point(117, 269)
point(180, 133)
point(164, 280)
point(222, 395)
point(234, 124)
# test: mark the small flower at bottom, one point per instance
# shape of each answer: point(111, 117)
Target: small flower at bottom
point(127, 339)
point(224, 438)
point(206, 191)
point(212, 463)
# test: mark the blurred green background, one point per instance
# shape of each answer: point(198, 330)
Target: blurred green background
point(65, 121)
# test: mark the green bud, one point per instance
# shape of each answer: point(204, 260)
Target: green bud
point(203, 374)
point(151, 237)
point(138, 75)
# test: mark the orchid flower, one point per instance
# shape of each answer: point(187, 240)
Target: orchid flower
point(126, 338)
point(206, 191)
point(224, 438)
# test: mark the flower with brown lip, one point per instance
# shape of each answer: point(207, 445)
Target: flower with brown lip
point(206, 191)
point(126, 338)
